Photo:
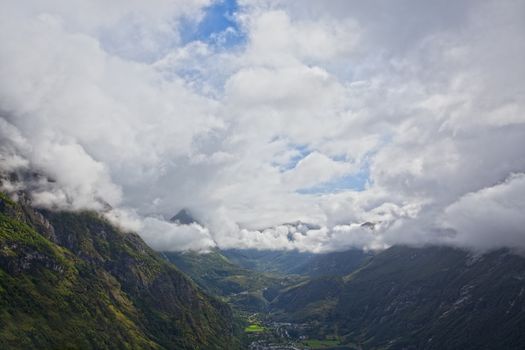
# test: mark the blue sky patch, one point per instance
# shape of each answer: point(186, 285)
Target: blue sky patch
point(217, 27)
point(303, 150)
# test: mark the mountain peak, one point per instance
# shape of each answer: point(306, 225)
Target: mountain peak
point(184, 217)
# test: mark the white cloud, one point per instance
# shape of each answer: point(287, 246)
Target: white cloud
point(109, 105)
point(277, 40)
point(489, 218)
point(316, 168)
point(166, 236)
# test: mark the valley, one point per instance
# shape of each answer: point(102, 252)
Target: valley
point(400, 298)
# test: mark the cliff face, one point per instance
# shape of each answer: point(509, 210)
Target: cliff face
point(72, 280)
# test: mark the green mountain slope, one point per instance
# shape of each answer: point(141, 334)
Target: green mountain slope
point(74, 281)
point(245, 289)
point(419, 298)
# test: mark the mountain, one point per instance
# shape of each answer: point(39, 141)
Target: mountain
point(264, 273)
point(183, 217)
point(71, 280)
point(299, 263)
point(245, 289)
point(418, 298)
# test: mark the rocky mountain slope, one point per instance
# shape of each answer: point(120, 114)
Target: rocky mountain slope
point(71, 280)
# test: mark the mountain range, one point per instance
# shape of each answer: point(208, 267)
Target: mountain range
point(72, 280)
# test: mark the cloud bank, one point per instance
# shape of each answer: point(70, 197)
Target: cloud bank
point(410, 116)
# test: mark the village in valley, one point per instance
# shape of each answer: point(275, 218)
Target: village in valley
point(262, 333)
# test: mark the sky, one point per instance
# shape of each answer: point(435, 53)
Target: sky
point(258, 114)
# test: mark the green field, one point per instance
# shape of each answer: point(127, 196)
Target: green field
point(254, 328)
point(320, 344)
